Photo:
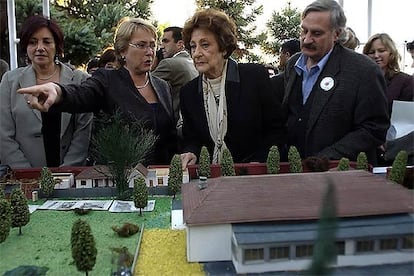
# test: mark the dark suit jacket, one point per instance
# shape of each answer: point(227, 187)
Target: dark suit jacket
point(254, 120)
point(114, 90)
point(349, 118)
point(400, 87)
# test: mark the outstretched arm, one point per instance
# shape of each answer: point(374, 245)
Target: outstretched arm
point(42, 97)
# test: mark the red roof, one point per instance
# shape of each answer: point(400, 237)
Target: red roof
point(263, 198)
point(95, 172)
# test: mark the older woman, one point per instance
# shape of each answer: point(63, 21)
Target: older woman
point(400, 86)
point(131, 89)
point(29, 138)
point(229, 105)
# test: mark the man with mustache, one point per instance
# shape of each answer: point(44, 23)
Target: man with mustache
point(334, 97)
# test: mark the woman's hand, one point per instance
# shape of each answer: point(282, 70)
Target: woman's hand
point(188, 158)
point(42, 97)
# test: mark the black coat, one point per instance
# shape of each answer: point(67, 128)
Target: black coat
point(254, 121)
point(114, 90)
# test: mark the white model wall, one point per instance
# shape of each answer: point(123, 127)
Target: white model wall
point(209, 243)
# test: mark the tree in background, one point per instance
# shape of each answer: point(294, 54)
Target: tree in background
point(273, 160)
point(46, 182)
point(88, 26)
point(5, 217)
point(244, 13)
point(227, 163)
point(83, 246)
point(204, 163)
point(295, 161)
point(20, 209)
point(282, 26)
point(343, 164)
point(325, 250)
point(140, 194)
point(121, 145)
point(362, 161)
point(175, 175)
point(399, 167)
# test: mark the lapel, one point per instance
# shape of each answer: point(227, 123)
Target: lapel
point(163, 99)
point(66, 77)
point(232, 82)
point(321, 91)
point(29, 79)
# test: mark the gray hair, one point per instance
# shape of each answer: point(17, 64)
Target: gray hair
point(338, 18)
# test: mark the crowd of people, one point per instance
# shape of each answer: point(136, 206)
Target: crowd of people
point(327, 100)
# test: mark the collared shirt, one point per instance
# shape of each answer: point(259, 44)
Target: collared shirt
point(309, 76)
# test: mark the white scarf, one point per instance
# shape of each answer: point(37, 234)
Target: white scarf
point(216, 110)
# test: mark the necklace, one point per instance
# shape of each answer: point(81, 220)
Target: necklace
point(49, 77)
point(145, 84)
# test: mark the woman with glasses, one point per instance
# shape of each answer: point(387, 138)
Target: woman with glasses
point(131, 89)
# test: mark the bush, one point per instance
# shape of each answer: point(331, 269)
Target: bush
point(204, 163)
point(83, 246)
point(227, 163)
point(20, 209)
point(399, 166)
point(343, 164)
point(273, 160)
point(295, 161)
point(362, 161)
point(140, 194)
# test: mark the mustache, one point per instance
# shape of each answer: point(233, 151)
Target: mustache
point(309, 46)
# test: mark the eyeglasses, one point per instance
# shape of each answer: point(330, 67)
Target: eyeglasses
point(143, 46)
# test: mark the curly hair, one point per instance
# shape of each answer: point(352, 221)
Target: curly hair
point(217, 22)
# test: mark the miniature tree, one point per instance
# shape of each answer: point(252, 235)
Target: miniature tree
point(175, 175)
point(5, 217)
point(227, 163)
point(20, 209)
point(83, 246)
point(295, 162)
point(204, 163)
point(273, 160)
point(362, 161)
point(140, 194)
point(399, 167)
point(343, 164)
point(47, 182)
point(325, 250)
point(121, 145)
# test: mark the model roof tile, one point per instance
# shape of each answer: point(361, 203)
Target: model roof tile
point(286, 197)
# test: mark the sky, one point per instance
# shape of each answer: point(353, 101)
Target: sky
point(388, 16)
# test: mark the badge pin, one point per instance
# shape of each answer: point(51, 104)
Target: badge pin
point(327, 83)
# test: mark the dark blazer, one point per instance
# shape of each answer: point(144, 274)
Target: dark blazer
point(400, 87)
point(254, 120)
point(113, 90)
point(347, 119)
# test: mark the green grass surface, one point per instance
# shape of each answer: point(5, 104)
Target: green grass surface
point(46, 238)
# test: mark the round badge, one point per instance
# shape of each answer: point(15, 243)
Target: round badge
point(327, 83)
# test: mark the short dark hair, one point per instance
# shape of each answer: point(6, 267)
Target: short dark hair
point(292, 46)
point(107, 56)
point(176, 33)
point(33, 24)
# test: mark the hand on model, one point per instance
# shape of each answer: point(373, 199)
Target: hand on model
point(42, 97)
point(188, 158)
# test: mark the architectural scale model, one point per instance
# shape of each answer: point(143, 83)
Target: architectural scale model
point(269, 222)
